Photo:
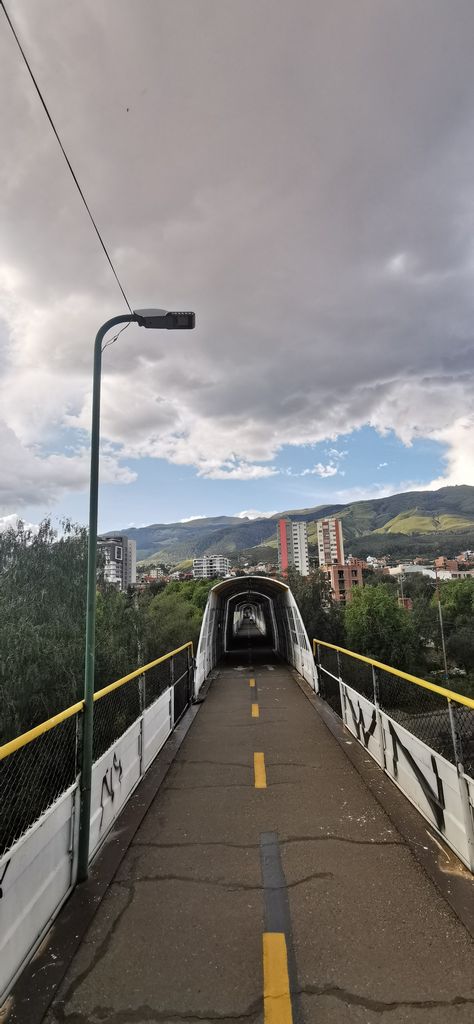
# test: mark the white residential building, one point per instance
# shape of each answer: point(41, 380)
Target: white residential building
point(293, 546)
point(209, 567)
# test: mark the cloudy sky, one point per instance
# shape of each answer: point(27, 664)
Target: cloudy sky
point(302, 176)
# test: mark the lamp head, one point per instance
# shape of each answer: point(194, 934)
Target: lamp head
point(162, 318)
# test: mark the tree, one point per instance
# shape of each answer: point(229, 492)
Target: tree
point(42, 616)
point(321, 615)
point(172, 619)
point(42, 613)
point(377, 626)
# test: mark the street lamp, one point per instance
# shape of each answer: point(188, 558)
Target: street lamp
point(153, 319)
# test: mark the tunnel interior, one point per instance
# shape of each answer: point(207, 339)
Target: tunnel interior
point(252, 620)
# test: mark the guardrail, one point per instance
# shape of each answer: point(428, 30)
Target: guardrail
point(39, 794)
point(421, 734)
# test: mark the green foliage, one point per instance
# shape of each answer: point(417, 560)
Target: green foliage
point(414, 521)
point(42, 615)
point(460, 648)
point(42, 610)
point(321, 615)
point(174, 616)
point(457, 601)
point(457, 604)
point(377, 626)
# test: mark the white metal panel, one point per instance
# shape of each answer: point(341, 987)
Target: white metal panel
point(114, 776)
point(360, 717)
point(429, 781)
point(35, 878)
point(157, 725)
point(307, 670)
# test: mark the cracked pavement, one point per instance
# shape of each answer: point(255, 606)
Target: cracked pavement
point(178, 936)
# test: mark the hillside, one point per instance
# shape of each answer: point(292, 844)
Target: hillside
point(433, 521)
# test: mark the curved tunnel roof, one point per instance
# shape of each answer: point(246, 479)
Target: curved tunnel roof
point(266, 585)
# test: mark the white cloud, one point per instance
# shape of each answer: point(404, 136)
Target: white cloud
point(382, 465)
point(459, 438)
point(296, 343)
point(241, 471)
point(320, 470)
point(190, 519)
point(11, 523)
point(252, 513)
point(400, 264)
point(32, 478)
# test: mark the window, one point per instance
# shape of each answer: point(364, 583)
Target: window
point(118, 553)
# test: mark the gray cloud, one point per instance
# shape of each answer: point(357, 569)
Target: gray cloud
point(299, 174)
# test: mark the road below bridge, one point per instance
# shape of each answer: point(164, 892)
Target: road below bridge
point(287, 850)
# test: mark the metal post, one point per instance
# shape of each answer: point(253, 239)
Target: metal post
point(441, 629)
point(376, 692)
point(316, 661)
point(463, 787)
point(342, 695)
point(190, 687)
point(87, 728)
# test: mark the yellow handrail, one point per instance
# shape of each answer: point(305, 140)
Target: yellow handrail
point(51, 723)
point(449, 694)
point(32, 734)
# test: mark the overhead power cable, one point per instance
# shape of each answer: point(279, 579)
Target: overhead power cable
point(63, 151)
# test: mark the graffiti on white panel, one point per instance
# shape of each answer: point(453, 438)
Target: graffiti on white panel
point(2, 876)
point(112, 775)
point(435, 797)
point(363, 734)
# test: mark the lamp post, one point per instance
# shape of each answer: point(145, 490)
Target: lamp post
point(441, 629)
point(152, 319)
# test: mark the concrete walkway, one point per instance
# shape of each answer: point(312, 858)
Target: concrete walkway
point(311, 857)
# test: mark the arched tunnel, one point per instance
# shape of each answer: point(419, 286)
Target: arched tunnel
point(253, 619)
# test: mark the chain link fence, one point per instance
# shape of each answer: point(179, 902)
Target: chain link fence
point(445, 725)
point(35, 773)
point(34, 776)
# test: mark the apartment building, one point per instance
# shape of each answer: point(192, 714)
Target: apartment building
point(120, 555)
point(210, 567)
point(330, 541)
point(292, 546)
point(343, 578)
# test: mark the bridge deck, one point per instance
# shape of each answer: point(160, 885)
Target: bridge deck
point(179, 935)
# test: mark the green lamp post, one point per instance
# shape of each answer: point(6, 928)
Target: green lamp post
point(152, 319)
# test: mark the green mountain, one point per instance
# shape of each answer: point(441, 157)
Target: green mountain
point(424, 522)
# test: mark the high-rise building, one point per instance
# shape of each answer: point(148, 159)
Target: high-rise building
point(330, 542)
point(209, 567)
point(120, 555)
point(293, 546)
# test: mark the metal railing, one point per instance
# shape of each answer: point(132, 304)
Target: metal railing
point(441, 718)
point(415, 730)
point(43, 763)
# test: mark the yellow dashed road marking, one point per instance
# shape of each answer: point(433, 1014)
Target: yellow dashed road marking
point(259, 771)
point(276, 983)
point(255, 711)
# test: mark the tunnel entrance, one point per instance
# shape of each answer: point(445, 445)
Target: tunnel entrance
point(252, 620)
point(250, 634)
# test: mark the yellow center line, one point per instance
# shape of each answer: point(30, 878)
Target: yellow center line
point(255, 711)
point(259, 771)
point(276, 982)
point(251, 682)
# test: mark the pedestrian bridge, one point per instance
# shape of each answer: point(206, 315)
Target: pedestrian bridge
point(269, 608)
point(259, 823)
